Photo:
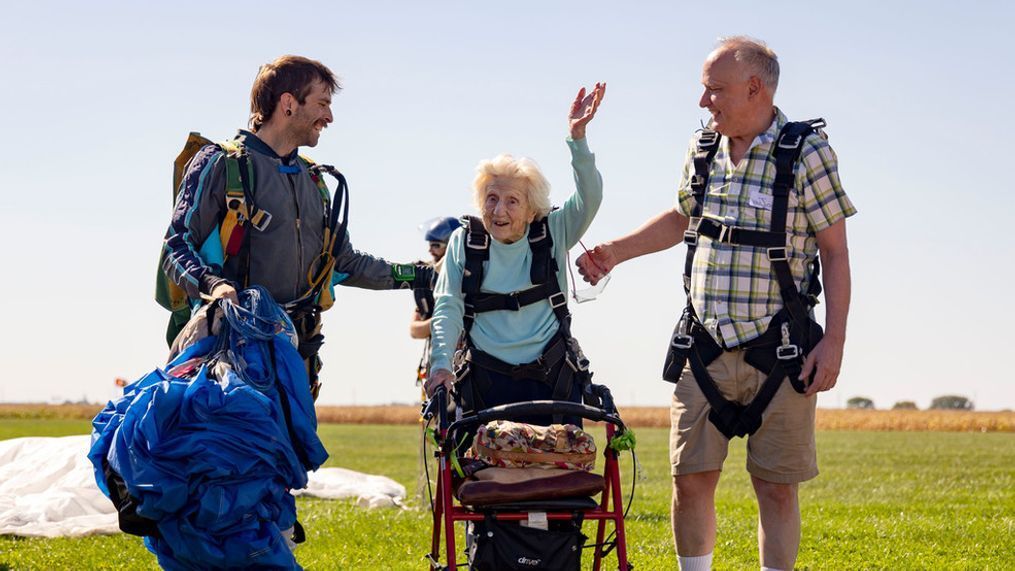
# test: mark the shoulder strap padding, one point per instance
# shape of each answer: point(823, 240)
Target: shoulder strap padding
point(544, 266)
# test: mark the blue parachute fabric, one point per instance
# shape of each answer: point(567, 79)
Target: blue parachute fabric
point(211, 455)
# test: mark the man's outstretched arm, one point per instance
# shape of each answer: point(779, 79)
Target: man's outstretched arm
point(661, 232)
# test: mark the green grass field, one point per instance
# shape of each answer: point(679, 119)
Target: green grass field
point(906, 500)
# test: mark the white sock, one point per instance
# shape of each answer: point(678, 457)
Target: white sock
point(699, 563)
point(763, 568)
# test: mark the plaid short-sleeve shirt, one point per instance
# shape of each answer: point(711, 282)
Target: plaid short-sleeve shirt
point(733, 290)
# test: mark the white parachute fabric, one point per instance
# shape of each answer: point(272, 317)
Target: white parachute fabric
point(369, 491)
point(47, 489)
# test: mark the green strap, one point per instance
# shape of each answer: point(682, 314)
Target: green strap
point(233, 183)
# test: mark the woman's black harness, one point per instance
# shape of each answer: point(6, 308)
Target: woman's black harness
point(780, 351)
point(473, 364)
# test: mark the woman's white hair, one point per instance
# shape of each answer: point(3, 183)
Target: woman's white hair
point(757, 55)
point(523, 169)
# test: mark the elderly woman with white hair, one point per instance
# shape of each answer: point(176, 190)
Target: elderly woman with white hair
point(504, 281)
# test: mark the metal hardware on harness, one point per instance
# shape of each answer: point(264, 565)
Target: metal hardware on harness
point(691, 237)
point(725, 234)
point(784, 144)
point(477, 241)
point(708, 138)
point(557, 300)
point(787, 351)
point(682, 341)
point(777, 254)
point(260, 219)
point(581, 365)
point(581, 361)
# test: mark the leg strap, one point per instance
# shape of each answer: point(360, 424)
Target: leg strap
point(732, 418)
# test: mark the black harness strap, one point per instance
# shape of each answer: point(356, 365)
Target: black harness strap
point(740, 236)
point(786, 153)
point(540, 368)
point(707, 147)
point(543, 275)
point(477, 251)
point(779, 351)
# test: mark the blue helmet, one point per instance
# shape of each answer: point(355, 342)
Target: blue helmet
point(441, 228)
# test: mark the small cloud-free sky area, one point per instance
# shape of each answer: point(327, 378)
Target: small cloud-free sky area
point(99, 98)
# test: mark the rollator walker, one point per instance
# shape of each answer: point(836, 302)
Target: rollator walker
point(447, 509)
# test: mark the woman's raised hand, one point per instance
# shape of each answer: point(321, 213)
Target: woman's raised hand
point(584, 109)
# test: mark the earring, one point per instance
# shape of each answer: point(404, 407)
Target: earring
point(288, 112)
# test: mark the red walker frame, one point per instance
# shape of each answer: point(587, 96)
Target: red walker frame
point(446, 512)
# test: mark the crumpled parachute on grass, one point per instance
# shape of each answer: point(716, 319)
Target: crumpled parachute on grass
point(212, 458)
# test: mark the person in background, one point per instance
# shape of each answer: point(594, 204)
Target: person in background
point(438, 232)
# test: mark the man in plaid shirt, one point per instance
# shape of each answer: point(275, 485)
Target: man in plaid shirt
point(735, 295)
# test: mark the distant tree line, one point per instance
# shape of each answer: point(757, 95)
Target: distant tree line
point(946, 402)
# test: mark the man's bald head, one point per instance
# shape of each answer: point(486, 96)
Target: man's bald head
point(755, 56)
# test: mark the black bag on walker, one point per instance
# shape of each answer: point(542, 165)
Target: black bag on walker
point(502, 545)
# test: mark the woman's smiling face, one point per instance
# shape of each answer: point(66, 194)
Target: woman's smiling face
point(506, 209)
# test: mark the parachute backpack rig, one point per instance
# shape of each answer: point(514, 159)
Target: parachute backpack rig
point(232, 237)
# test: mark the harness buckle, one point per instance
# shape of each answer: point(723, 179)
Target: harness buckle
point(785, 144)
point(691, 237)
point(725, 234)
point(682, 341)
point(708, 138)
point(260, 219)
point(557, 300)
point(477, 241)
point(787, 352)
point(777, 254)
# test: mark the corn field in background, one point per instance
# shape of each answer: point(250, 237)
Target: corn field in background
point(635, 416)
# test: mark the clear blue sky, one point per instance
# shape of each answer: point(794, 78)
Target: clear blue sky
point(99, 98)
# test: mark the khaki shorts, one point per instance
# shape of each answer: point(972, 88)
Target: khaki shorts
point(781, 451)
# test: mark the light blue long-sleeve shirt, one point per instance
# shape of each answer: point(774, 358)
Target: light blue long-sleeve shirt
point(515, 337)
